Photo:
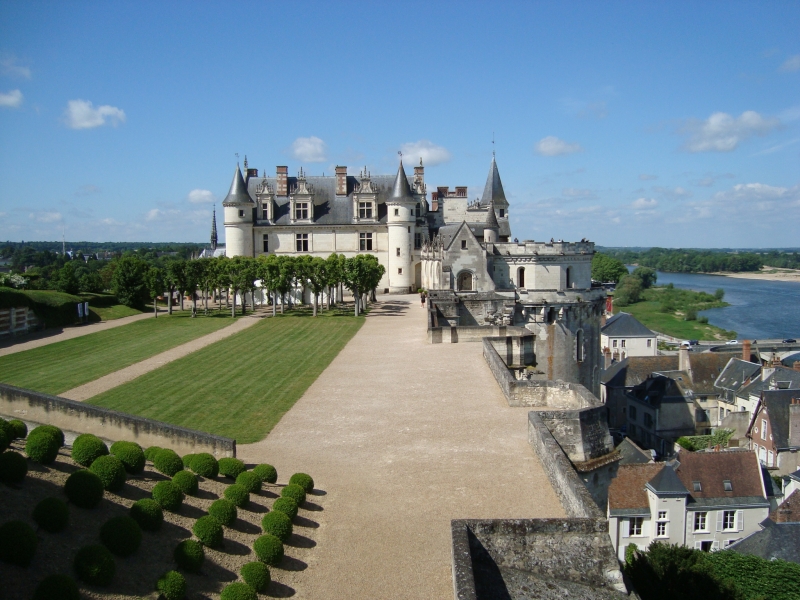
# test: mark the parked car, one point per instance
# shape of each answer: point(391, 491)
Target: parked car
point(790, 341)
point(694, 342)
point(731, 342)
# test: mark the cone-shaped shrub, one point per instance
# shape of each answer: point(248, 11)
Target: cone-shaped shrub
point(223, 511)
point(111, 472)
point(122, 535)
point(167, 462)
point(287, 506)
point(172, 586)
point(150, 453)
point(187, 482)
point(189, 555)
point(230, 467)
point(268, 549)
point(17, 543)
point(13, 467)
point(130, 455)
point(42, 445)
point(238, 591)
point(256, 575)
point(84, 489)
point(278, 524)
point(148, 514)
point(237, 494)
point(209, 531)
point(57, 587)
point(51, 514)
point(95, 565)
point(249, 481)
point(205, 465)
point(295, 492)
point(19, 428)
point(303, 480)
point(267, 473)
point(87, 448)
point(168, 495)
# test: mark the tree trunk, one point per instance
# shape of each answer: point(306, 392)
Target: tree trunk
point(233, 307)
point(244, 301)
point(181, 300)
point(274, 303)
point(355, 301)
point(206, 302)
point(283, 301)
point(315, 305)
point(169, 300)
point(155, 306)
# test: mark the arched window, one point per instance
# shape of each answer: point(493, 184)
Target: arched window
point(579, 345)
point(569, 277)
point(465, 281)
point(521, 277)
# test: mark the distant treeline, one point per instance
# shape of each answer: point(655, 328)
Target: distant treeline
point(677, 260)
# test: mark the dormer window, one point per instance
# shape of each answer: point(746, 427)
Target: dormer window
point(365, 210)
point(726, 485)
point(696, 486)
point(301, 211)
point(463, 244)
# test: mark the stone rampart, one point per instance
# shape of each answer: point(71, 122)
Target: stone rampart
point(582, 434)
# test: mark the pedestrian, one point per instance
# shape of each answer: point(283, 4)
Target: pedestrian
point(423, 296)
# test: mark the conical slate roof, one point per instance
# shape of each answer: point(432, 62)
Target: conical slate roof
point(493, 192)
point(214, 229)
point(401, 190)
point(238, 192)
point(491, 218)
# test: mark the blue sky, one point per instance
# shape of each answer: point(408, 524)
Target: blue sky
point(628, 123)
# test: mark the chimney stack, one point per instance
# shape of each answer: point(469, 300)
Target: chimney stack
point(746, 350)
point(419, 174)
point(282, 176)
point(607, 354)
point(683, 359)
point(341, 181)
point(794, 422)
point(434, 201)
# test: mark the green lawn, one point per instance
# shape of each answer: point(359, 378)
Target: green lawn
point(109, 313)
point(61, 366)
point(243, 385)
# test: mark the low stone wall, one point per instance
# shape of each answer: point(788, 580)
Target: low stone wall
point(471, 333)
point(77, 417)
point(582, 434)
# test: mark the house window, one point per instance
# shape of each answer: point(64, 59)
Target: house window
point(613, 343)
point(649, 343)
point(729, 520)
point(364, 241)
point(662, 515)
point(701, 522)
point(301, 242)
point(763, 429)
point(265, 241)
point(502, 213)
point(727, 486)
point(696, 486)
point(632, 412)
point(398, 252)
point(770, 459)
point(622, 343)
point(396, 212)
point(365, 210)
point(635, 526)
point(301, 211)
point(417, 241)
point(661, 529)
point(648, 420)
point(241, 213)
point(463, 244)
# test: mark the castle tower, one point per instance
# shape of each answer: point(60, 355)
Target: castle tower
point(214, 229)
point(401, 223)
point(238, 207)
point(491, 230)
point(493, 193)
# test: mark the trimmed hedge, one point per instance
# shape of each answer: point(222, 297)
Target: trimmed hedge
point(95, 565)
point(5, 439)
point(167, 462)
point(84, 488)
point(256, 575)
point(42, 445)
point(267, 473)
point(18, 543)
point(209, 531)
point(111, 472)
point(168, 495)
point(249, 481)
point(287, 506)
point(13, 467)
point(238, 591)
point(130, 455)
point(303, 480)
point(189, 555)
point(19, 428)
point(87, 448)
point(148, 514)
point(295, 492)
point(172, 586)
point(57, 587)
point(237, 494)
point(54, 308)
point(51, 514)
point(151, 452)
point(230, 467)
point(187, 482)
point(223, 511)
point(52, 429)
point(268, 549)
point(122, 535)
point(278, 524)
point(187, 460)
point(205, 465)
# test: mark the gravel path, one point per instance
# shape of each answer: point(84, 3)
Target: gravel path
point(402, 436)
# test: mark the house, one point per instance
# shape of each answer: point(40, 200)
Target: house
point(737, 374)
point(623, 336)
point(779, 537)
point(703, 500)
point(771, 377)
point(621, 377)
point(774, 433)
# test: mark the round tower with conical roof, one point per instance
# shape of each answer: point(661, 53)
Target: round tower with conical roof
point(401, 223)
point(238, 207)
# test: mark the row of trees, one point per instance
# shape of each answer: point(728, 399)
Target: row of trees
point(699, 261)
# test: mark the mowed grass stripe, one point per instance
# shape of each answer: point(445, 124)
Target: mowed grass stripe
point(241, 386)
point(61, 366)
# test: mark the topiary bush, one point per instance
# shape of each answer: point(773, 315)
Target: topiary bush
point(187, 482)
point(303, 480)
point(238, 591)
point(187, 460)
point(87, 448)
point(168, 495)
point(95, 565)
point(205, 465)
point(19, 428)
point(268, 549)
point(84, 489)
point(189, 555)
point(209, 531)
point(151, 452)
point(287, 506)
point(237, 494)
point(172, 586)
point(53, 430)
point(17, 543)
point(130, 455)
point(230, 467)
point(148, 514)
point(111, 472)
point(256, 575)
point(267, 473)
point(167, 462)
point(51, 514)
point(249, 481)
point(42, 445)
point(57, 587)
point(122, 535)
point(295, 492)
point(5, 440)
point(223, 511)
point(13, 467)
point(278, 524)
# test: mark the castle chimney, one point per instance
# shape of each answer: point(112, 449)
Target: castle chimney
point(434, 201)
point(794, 422)
point(341, 181)
point(282, 176)
point(746, 350)
point(461, 191)
point(419, 174)
point(683, 359)
point(607, 355)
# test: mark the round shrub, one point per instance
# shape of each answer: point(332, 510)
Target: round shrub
point(223, 511)
point(5, 440)
point(237, 494)
point(57, 587)
point(231, 467)
point(256, 575)
point(268, 549)
point(95, 565)
point(84, 489)
point(187, 460)
point(51, 514)
point(19, 428)
point(151, 452)
point(189, 555)
point(238, 591)
point(209, 531)
point(303, 480)
point(278, 524)
point(187, 482)
point(267, 473)
point(205, 465)
point(13, 467)
point(172, 586)
point(167, 462)
point(53, 430)
point(295, 492)
point(130, 455)
point(42, 445)
point(122, 535)
point(249, 481)
point(148, 514)
point(287, 506)
point(87, 448)
point(17, 543)
point(168, 495)
point(111, 472)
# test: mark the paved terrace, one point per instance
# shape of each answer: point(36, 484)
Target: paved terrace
point(402, 436)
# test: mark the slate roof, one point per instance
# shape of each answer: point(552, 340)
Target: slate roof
point(625, 324)
point(493, 190)
point(491, 218)
point(626, 494)
point(775, 541)
point(736, 373)
point(740, 467)
point(777, 403)
point(760, 384)
point(400, 188)
point(633, 370)
point(706, 368)
point(633, 454)
point(789, 510)
point(667, 483)
point(238, 191)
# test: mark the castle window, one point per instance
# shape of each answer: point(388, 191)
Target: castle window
point(416, 211)
point(301, 242)
point(365, 210)
point(502, 213)
point(569, 277)
point(578, 343)
point(364, 241)
point(521, 277)
point(417, 241)
point(241, 213)
point(396, 212)
point(465, 282)
point(265, 240)
point(301, 211)
point(398, 252)
point(463, 244)
point(400, 271)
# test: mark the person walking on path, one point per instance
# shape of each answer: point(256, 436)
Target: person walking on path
point(423, 296)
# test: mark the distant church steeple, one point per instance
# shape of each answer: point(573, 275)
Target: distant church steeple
point(214, 230)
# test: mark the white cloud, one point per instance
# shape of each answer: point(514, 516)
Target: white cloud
point(778, 147)
point(201, 197)
point(646, 177)
point(792, 63)
point(722, 132)
point(644, 204)
point(81, 114)
point(552, 146)
point(309, 149)
point(45, 217)
point(9, 66)
point(12, 99)
point(430, 153)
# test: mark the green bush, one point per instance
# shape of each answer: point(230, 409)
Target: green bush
point(754, 577)
point(267, 473)
point(187, 460)
point(57, 587)
point(205, 465)
point(237, 494)
point(295, 492)
point(167, 462)
point(42, 445)
point(13, 467)
point(51, 429)
point(303, 480)
point(51, 514)
point(238, 591)
point(209, 531)
point(690, 314)
point(189, 555)
point(95, 565)
point(130, 455)
point(249, 481)
point(172, 586)
point(84, 489)
point(268, 549)
point(111, 472)
point(168, 495)
point(230, 467)
point(223, 511)
point(148, 514)
point(19, 428)
point(703, 320)
point(256, 575)
point(151, 452)
point(5, 440)
point(278, 524)
point(287, 506)
point(17, 543)
point(122, 535)
point(187, 482)
point(87, 448)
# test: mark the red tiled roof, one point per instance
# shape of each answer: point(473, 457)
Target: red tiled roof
point(627, 489)
point(740, 467)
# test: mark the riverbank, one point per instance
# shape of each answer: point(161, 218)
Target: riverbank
point(766, 274)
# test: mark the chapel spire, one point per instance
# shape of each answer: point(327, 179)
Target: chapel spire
point(493, 192)
point(214, 229)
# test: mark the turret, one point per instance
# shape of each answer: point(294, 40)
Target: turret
point(491, 230)
point(401, 224)
point(238, 207)
point(493, 193)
